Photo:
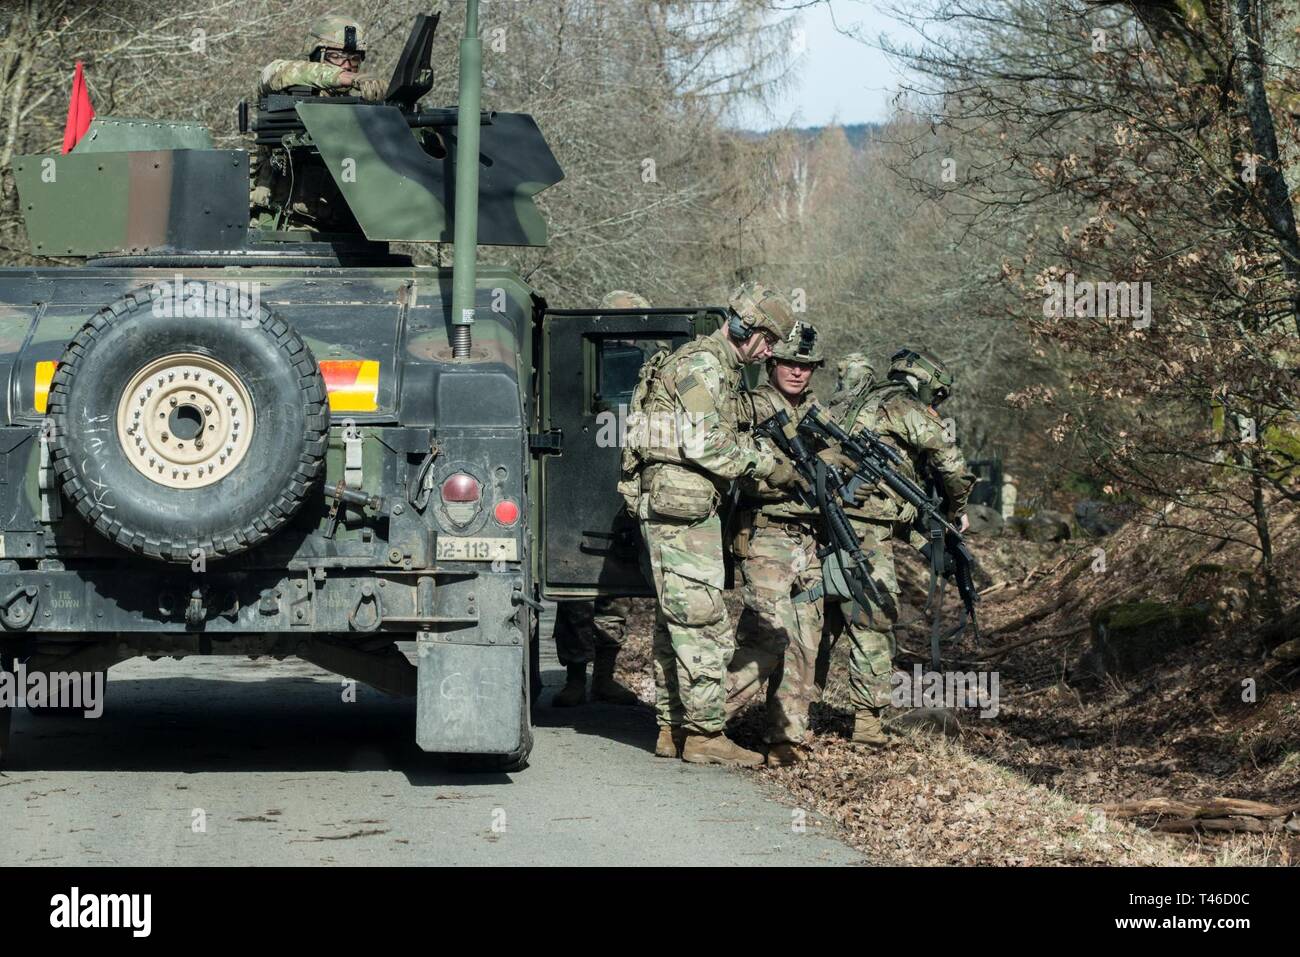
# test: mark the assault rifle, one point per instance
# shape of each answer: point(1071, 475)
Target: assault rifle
point(878, 465)
point(845, 570)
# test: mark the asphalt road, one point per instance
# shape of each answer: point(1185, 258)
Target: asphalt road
point(227, 761)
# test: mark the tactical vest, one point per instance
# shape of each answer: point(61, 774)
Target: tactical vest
point(864, 410)
point(652, 413)
point(763, 498)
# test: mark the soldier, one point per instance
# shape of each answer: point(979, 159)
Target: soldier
point(332, 56)
point(684, 451)
point(903, 411)
point(587, 631)
point(779, 632)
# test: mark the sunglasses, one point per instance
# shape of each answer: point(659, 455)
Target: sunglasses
point(340, 58)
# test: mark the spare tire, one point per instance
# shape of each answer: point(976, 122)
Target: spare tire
point(175, 434)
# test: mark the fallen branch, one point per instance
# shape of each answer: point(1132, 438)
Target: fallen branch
point(1059, 633)
point(1225, 815)
point(1029, 618)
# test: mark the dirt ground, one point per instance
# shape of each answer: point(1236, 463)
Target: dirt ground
point(1038, 784)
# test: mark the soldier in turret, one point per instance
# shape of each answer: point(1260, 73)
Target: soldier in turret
point(331, 63)
point(332, 58)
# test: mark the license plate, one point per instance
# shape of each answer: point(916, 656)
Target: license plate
point(477, 549)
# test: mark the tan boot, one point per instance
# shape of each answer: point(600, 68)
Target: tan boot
point(783, 754)
point(574, 691)
point(717, 748)
point(670, 742)
point(868, 730)
point(603, 685)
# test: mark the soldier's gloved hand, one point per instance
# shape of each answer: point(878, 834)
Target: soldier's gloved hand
point(369, 87)
point(783, 474)
point(838, 459)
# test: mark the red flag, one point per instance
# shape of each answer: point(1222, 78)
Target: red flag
point(80, 112)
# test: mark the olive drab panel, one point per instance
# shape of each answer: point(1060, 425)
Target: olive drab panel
point(590, 365)
point(84, 204)
point(112, 134)
point(400, 192)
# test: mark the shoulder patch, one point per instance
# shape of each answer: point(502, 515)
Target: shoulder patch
point(694, 396)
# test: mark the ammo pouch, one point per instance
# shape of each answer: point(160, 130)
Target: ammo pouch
point(629, 486)
point(744, 533)
point(680, 493)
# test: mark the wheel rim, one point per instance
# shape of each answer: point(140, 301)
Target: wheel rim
point(185, 421)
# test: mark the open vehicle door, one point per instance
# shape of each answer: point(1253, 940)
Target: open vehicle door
point(590, 360)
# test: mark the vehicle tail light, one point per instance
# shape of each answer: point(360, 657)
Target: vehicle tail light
point(506, 513)
point(460, 488)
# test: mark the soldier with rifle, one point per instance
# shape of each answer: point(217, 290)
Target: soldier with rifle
point(865, 485)
point(776, 543)
point(901, 415)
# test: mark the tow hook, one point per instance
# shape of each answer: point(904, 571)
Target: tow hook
point(368, 595)
point(196, 612)
point(19, 607)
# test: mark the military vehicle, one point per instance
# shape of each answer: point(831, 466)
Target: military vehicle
point(269, 440)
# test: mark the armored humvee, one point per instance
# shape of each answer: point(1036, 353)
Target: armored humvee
point(224, 438)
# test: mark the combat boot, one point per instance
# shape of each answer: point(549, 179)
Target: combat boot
point(574, 691)
point(603, 685)
point(868, 730)
point(717, 748)
point(670, 741)
point(784, 754)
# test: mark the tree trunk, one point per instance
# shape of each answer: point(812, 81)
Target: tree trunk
point(1278, 211)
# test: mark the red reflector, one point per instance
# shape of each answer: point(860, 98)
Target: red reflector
point(460, 488)
point(507, 512)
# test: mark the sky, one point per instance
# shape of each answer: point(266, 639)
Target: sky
point(836, 77)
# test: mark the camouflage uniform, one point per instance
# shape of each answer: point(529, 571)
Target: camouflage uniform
point(268, 168)
point(584, 628)
point(853, 373)
point(777, 638)
point(905, 422)
point(695, 398)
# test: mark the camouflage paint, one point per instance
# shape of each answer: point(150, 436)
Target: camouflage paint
point(400, 193)
point(84, 204)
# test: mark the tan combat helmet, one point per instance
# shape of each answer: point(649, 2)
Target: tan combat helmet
point(331, 32)
point(802, 346)
point(926, 375)
point(755, 306)
point(622, 299)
